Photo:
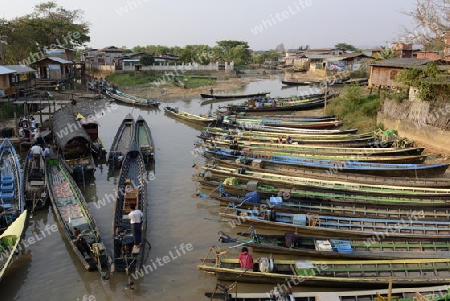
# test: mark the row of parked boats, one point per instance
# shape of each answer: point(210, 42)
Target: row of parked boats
point(342, 208)
point(56, 176)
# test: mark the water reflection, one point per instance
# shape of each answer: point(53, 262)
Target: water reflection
point(50, 271)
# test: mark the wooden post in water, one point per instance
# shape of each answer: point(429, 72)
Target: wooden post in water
point(325, 97)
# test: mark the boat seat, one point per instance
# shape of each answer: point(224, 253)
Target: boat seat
point(7, 187)
point(7, 196)
point(7, 180)
point(36, 174)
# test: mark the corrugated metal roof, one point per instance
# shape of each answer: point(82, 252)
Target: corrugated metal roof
point(20, 68)
point(59, 60)
point(5, 70)
point(400, 62)
point(67, 128)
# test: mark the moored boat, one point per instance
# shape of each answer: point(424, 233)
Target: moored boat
point(10, 240)
point(292, 170)
point(342, 273)
point(35, 181)
point(73, 144)
point(322, 225)
point(11, 185)
point(91, 128)
point(122, 140)
point(131, 99)
point(131, 189)
point(197, 119)
point(144, 139)
point(232, 96)
point(337, 166)
point(75, 219)
point(228, 293)
point(339, 247)
point(297, 196)
point(330, 185)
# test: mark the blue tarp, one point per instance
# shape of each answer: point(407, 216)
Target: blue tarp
point(253, 197)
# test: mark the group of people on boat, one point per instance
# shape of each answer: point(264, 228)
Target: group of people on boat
point(259, 102)
point(287, 141)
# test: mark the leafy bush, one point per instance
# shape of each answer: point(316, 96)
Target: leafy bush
point(355, 107)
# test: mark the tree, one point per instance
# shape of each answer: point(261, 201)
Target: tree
point(47, 26)
point(386, 53)
point(147, 60)
point(432, 20)
point(345, 46)
point(235, 50)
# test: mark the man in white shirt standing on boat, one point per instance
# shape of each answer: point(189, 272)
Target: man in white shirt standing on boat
point(136, 217)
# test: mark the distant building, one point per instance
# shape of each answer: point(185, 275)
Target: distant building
point(403, 50)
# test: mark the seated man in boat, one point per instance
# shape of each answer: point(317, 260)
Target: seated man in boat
point(136, 217)
point(289, 139)
point(245, 259)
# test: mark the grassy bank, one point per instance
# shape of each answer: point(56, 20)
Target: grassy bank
point(356, 107)
point(149, 78)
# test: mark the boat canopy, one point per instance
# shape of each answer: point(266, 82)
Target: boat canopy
point(69, 133)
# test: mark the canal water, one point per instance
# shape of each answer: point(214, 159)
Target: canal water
point(181, 225)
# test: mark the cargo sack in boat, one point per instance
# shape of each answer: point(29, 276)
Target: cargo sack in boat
point(253, 197)
point(292, 240)
point(230, 181)
point(265, 265)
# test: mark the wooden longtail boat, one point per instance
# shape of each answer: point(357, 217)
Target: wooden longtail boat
point(291, 116)
point(295, 196)
point(249, 147)
point(336, 166)
point(318, 124)
point(144, 139)
point(197, 119)
point(308, 104)
point(232, 96)
point(131, 188)
point(322, 225)
point(35, 181)
point(91, 128)
point(131, 99)
point(75, 219)
point(293, 156)
point(333, 186)
point(300, 137)
point(434, 293)
point(336, 208)
point(298, 83)
point(342, 273)
point(339, 247)
point(251, 126)
point(11, 185)
point(340, 176)
point(122, 140)
point(9, 242)
point(73, 144)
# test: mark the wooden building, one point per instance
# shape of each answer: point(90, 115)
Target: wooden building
point(23, 79)
point(5, 81)
point(60, 52)
point(383, 73)
point(55, 68)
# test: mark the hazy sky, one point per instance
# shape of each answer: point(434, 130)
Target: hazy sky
point(264, 24)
